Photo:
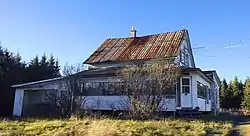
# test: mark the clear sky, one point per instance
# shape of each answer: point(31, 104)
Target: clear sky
point(71, 30)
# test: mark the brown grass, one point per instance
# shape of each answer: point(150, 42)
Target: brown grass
point(244, 130)
point(110, 127)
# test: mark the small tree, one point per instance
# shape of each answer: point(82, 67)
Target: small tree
point(246, 99)
point(223, 93)
point(66, 98)
point(144, 86)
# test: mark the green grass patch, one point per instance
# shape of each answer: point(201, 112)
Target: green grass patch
point(112, 127)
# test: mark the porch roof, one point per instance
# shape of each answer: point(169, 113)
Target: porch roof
point(102, 72)
point(199, 71)
point(83, 74)
point(213, 72)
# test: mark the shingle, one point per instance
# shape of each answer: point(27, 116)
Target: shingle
point(137, 48)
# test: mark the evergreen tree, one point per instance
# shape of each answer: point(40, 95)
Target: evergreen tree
point(246, 100)
point(236, 91)
point(33, 70)
point(54, 67)
point(14, 71)
point(234, 84)
point(229, 96)
point(223, 91)
point(245, 82)
point(44, 68)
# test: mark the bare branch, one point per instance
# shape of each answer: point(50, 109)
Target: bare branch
point(146, 86)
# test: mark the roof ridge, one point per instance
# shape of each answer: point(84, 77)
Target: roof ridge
point(147, 35)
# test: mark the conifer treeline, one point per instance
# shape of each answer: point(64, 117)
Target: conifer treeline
point(235, 94)
point(13, 70)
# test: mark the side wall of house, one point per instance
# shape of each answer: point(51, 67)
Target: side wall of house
point(216, 95)
point(195, 100)
point(194, 90)
point(116, 102)
point(202, 103)
point(25, 97)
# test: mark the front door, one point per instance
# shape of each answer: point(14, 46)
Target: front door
point(186, 98)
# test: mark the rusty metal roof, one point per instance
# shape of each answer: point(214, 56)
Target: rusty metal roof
point(138, 48)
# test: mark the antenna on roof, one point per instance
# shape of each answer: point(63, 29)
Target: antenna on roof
point(183, 27)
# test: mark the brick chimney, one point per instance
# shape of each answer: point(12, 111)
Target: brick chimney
point(132, 32)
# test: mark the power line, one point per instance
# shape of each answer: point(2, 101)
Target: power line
point(228, 45)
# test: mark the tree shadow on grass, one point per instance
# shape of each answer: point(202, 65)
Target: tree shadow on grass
point(236, 120)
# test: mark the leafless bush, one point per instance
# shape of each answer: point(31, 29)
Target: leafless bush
point(145, 86)
point(66, 98)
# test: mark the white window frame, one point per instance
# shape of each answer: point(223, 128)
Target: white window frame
point(189, 78)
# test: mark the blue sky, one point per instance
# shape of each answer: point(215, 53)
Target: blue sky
point(72, 30)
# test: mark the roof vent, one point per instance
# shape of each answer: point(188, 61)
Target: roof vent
point(132, 32)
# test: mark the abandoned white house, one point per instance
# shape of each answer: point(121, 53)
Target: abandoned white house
point(196, 88)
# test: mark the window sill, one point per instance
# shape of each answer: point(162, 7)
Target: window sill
point(202, 97)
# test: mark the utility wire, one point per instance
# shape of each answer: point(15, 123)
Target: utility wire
point(228, 45)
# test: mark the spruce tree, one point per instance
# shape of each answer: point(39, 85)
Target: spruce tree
point(234, 84)
point(246, 100)
point(54, 67)
point(14, 71)
point(223, 91)
point(11, 72)
point(229, 96)
point(236, 91)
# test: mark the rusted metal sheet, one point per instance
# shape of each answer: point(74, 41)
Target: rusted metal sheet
point(134, 48)
point(168, 52)
point(152, 52)
point(150, 48)
point(138, 48)
point(164, 45)
point(109, 50)
point(103, 51)
point(117, 48)
point(98, 51)
point(125, 54)
point(121, 49)
point(112, 50)
point(146, 47)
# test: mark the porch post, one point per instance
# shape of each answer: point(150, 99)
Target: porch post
point(178, 93)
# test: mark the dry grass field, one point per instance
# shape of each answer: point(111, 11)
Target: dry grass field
point(112, 127)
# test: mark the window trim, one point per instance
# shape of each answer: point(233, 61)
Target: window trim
point(199, 96)
point(189, 85)
point(207, 93)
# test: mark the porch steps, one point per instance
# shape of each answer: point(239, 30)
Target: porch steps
point(188, 112)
